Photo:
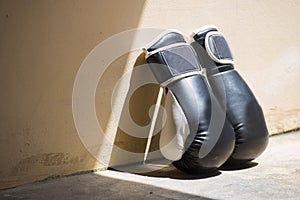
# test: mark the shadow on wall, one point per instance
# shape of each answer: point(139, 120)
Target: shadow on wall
point(132, 133)
point(43, 43)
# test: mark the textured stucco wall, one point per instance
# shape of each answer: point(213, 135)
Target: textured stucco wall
point(43, 43)
point(264, 39)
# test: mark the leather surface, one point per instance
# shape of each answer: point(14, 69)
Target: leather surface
point(169, 38)
point(207, 132)
point(172, 62)
point(219, 47)
point(211, 138)
point(200, 36)
point(244, 113)
point(175, 130)
point(242, 109)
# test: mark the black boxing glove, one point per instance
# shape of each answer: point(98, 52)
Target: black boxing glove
point(210, 138)
point(242, 109)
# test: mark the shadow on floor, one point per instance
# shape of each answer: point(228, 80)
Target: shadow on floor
point(169, 171)
point(91, 186)
point(238, 167)
point(173, 173)
point(161, 170)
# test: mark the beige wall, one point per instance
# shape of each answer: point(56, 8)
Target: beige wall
point(43, 43)
point(264, 39)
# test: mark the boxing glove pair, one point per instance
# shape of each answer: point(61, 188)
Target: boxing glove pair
point(216, 119)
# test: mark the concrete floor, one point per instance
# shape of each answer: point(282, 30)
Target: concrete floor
point(274, 175)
